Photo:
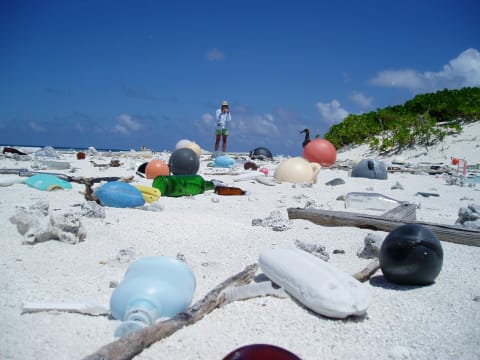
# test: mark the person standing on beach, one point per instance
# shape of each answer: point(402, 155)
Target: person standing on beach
point(223, 117)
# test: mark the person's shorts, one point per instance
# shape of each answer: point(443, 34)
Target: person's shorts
point(221, 132)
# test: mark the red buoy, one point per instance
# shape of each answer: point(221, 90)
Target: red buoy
point(320, 151)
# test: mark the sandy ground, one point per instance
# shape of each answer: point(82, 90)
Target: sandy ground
point(216, 237)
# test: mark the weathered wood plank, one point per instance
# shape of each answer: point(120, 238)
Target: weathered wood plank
point(448, 233)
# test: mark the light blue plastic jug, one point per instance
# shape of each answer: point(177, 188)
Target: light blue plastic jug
point(153, 287)
point(224, 161)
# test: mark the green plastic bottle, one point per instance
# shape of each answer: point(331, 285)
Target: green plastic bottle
point(181, 185)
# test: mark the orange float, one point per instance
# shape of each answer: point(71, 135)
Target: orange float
point(156, 168)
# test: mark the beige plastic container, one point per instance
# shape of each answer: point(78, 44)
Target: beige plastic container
point(297, 170)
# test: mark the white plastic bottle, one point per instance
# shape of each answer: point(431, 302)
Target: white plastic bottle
point(153, 287)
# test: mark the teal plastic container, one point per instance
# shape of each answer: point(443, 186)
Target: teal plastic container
point(47, 182)
point(154, 287)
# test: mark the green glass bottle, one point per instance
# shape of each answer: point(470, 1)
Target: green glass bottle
point(181, 185)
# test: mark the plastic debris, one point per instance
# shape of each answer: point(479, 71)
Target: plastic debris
point(249, 291)
point(89, 308)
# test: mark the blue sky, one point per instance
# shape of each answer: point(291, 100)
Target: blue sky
point(122, 74)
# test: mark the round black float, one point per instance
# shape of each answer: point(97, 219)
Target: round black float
point(184, 161)
point(411, 254)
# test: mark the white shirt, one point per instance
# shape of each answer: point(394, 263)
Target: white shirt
point(222, 119)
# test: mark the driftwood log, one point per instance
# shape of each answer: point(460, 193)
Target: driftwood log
point(134, 343)
point(448, 233)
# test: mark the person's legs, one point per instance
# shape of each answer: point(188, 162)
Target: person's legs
point(224, 144)
point(217, 141)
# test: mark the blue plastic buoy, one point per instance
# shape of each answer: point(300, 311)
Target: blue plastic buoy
point(120, 195)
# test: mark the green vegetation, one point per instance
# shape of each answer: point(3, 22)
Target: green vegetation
point(424, 120)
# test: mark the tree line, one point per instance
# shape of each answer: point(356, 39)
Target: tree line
point(423, 120)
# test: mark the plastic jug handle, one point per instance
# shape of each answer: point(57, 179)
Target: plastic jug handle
point(315, 170)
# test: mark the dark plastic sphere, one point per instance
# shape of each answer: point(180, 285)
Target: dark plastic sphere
point(370, 169)
point(261, 352)
point(250, 165)
point(411, 254)
point(184, 161)
point(260, 152)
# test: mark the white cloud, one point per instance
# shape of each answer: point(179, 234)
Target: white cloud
point(332, 111)
point(264, 125)
point(256, 125)
point(361, 99)
point(78, 126)
point(215, 55)
point(36, 126)
point(460, 72)
point(207, 119)
point(126, 124)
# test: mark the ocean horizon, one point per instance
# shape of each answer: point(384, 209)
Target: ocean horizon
point(64, 148)
point(33, 148)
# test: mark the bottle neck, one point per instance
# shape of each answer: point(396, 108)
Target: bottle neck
point(142, 311)
point(139, 314)
point(209, 185)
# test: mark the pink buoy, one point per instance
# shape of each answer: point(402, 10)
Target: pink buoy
point(263, 170)
point(320, 151)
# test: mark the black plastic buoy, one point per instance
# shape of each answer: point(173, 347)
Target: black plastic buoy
point(411, 254)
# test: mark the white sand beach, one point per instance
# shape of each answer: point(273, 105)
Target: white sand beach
point(215, 236)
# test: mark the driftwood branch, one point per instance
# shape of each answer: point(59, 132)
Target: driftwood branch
point(420, 170)
point(88, 182)
point(134, 343)
point(448, 233)
point(368, 271)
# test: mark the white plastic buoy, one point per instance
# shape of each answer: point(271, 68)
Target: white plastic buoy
point(315, 283)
